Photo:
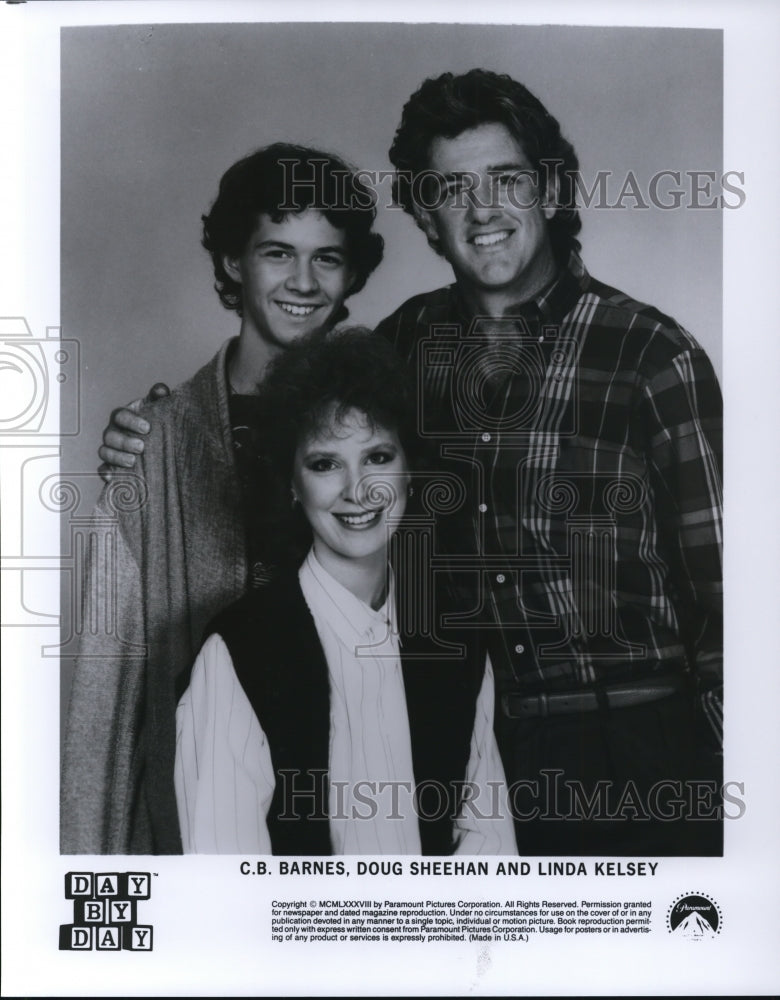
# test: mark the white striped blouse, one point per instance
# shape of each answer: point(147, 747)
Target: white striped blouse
point(225, 779)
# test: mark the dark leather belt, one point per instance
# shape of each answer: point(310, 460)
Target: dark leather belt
point(518, 706)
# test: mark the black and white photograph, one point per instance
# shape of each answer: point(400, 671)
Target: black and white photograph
point(367, 583)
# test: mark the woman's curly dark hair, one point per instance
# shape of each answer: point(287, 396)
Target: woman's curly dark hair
point(448, 105)
point(284, 178)
point(317, 378)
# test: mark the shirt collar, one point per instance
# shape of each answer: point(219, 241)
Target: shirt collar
point(353, 621)
point(549, 306)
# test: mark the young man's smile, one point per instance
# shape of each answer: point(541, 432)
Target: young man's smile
point(294, 309)
point(294, 277)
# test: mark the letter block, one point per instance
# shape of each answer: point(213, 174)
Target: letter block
point(108, 939)
point(89, 911)
point(78, 884)
point(107, 884)
point(121, 911)
point(75, 938)
point(137, 938)
point(138, 886)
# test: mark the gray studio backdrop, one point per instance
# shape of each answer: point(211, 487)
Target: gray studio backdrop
point(153, 115)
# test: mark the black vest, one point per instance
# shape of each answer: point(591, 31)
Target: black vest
point(280, 664)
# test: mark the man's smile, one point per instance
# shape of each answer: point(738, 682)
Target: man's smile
point(490, 239)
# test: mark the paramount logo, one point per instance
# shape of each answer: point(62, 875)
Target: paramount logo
point(694, 916)
point(105, 914)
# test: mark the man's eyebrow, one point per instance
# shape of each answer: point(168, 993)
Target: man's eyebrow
point(492, 169)
point(511, 165)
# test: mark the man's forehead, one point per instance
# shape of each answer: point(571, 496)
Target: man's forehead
point(487, 146)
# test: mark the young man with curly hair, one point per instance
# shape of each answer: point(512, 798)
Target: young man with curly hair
point(290, 236)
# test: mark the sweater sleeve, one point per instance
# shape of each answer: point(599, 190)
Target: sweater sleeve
point(223, 773)
point(99, 757)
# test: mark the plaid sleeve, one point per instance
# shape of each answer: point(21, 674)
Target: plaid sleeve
point(682, 413)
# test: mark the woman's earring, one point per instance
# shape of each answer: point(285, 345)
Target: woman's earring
point(293, 497)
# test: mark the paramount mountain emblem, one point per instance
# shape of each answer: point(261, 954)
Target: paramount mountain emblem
point(694, 916)
point(694, 925)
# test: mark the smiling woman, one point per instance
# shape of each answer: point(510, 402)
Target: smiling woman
point(339, 415)
point(307, 728)
point(349, 477)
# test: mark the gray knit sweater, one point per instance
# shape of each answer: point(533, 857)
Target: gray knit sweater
point(169, 553)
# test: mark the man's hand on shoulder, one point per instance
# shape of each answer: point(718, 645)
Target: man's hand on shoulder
point(123, 438)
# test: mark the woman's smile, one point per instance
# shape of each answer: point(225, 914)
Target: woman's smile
point(349, 476)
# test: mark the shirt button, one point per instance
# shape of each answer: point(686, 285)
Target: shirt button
point(482, 508)
point(485, 436)
point(519, 648)
point(500, 578)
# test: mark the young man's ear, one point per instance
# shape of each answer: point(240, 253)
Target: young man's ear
point(352, 282)
point(425, 220)
point(232, 268)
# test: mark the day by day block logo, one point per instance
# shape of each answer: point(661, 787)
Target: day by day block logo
point(105, 912)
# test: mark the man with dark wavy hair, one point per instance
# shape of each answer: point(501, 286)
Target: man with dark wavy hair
point(290, 236)
point(586, 428)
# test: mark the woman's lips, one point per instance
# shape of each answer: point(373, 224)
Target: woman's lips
point(362, 520)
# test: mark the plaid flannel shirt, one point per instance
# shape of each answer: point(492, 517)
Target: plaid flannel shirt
point(585, 432)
